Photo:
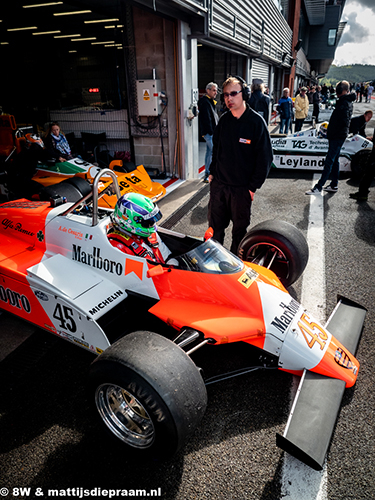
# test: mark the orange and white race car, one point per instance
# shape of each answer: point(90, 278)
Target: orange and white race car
point(130, 179)
point(30, 174)
point(145, 321)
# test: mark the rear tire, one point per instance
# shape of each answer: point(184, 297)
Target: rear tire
point(72, 189)
point(275, 236)
point(148, 393)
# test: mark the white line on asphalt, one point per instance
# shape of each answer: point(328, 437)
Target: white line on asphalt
point(298, 480)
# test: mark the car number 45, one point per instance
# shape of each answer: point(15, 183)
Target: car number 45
point(312, 332)
point(64, 315)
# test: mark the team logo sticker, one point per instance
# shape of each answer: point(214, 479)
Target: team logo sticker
point(248, 277)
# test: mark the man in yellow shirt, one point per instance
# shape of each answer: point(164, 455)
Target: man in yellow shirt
point(301, 106)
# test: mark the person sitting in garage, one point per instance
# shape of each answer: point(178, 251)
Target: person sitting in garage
point(134, 228)
point(56, 143)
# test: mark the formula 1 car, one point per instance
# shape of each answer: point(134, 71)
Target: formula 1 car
point(131, 179)
point(29, 173)
point(307, 150)
point(145, 320)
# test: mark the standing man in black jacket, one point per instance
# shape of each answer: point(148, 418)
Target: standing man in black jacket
point(338, 129)
point(241, 160)
point(259, 101)
point(208, 119)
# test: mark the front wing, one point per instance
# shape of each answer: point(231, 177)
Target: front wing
point(317, 402)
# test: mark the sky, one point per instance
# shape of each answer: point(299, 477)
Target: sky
point(357, 43)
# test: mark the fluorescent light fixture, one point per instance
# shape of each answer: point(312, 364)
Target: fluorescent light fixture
point(82, 39)
point(45, 32)
point(114, 26)
point(101, 21)
point(4, 43)
point(66, 36)
point(114, 45)
point(72, 13)
point(102, 43)
point(41, 5)
point(72, 51)
point(22, 29)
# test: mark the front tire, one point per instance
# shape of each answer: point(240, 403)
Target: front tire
point(148, 393)
point(279, 246)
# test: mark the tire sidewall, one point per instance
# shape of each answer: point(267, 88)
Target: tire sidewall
point(284, 236)
point(164, 380)
point(166, 441)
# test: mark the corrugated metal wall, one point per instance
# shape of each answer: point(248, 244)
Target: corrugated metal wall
point(259, 69)
point(260, 28)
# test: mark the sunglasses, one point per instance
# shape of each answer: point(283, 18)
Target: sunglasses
point(232, 94)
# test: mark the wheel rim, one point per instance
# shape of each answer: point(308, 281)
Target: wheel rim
point(271, 257)
point(124, 415)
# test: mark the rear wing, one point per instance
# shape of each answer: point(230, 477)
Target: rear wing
point(317, 403)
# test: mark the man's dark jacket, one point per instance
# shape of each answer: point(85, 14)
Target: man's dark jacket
point(338, 127)
point(261, 103)
point(358, 125)
point(208, 116)
point(242, 153)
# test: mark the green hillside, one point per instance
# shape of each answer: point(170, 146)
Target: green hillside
point(353, 73)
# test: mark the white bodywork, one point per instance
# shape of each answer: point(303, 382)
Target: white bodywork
point(306, 150)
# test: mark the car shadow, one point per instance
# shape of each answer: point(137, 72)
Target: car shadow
point(47, 425)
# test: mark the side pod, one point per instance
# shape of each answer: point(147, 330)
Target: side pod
point(317, 403)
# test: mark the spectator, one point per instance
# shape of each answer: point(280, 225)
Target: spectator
point(361, 91)
point(310, 94)
point(241, 160)
point(301, 106)
point(208, 119)
point(368, 177)
point(285, 108)
point(370, 90)
point(316, 103)
point(324, 93)
point(357, 92)
point(338, 129)
point(259, 101)
point(358, 123)
point(56, 144)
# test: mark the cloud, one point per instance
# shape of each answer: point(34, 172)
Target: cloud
point(358, 40)
point(354, 31)
point(366, 3)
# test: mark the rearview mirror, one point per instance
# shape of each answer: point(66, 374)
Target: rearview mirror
point(157, 271)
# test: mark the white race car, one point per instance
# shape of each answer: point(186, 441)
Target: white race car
point(307, 150)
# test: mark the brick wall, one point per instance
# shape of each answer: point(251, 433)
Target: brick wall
point(149, 32)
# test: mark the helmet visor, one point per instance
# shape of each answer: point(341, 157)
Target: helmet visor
point(149, 222)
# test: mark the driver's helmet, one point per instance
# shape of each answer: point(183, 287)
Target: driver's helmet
point(137, 214)
point(34, 139)
point(323, 130)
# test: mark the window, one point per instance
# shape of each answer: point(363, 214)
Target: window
point(332, 37)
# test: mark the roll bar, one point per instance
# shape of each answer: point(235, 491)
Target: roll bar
point(95, 195)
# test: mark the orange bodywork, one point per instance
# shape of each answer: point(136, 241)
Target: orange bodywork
point(137, 181)
point(338, 358)
point(22, 246)
point(213, 299)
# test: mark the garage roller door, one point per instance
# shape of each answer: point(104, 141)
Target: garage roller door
point(261, 70)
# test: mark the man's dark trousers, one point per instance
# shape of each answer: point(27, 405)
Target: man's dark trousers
point(229, 203)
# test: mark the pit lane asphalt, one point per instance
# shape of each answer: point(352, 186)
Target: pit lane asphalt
point(48, 438)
